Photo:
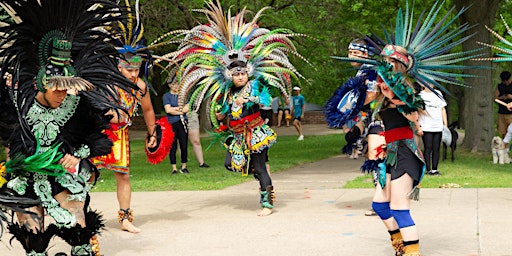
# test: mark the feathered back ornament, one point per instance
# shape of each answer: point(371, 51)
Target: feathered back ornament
point(429, 43)
point(206, 52)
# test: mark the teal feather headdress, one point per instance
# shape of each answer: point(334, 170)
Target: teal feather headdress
point(429, 44)
point(201, 60)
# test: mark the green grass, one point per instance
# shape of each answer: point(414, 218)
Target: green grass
point(286, 153)
point(469, 170)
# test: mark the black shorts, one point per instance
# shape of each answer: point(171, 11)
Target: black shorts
point(297, 118)
point(407, 162)
point(266, 114)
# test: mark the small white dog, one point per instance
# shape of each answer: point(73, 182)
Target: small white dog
point(499, 152)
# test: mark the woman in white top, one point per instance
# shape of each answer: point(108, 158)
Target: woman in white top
point(432, 123)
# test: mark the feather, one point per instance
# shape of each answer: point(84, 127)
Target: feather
point(32, 242)
point(351, 95)
point(79, 235)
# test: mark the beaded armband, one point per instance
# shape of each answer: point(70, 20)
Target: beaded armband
point(83, 152)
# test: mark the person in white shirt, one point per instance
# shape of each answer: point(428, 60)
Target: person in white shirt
point(432, 123)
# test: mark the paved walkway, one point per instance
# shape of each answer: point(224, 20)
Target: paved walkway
point(313, 216)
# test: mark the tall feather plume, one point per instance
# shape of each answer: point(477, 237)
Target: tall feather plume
point(201, 59)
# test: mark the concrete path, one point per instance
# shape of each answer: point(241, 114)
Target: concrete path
point(313, 216)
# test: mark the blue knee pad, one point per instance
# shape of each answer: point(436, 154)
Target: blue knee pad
point(403, 218)
point(382, 209)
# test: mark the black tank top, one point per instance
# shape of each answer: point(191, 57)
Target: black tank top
point(504, 89)
point(393, 119)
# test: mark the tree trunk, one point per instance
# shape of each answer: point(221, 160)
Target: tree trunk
point(478, 118)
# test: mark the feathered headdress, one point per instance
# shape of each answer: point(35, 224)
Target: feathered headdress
point(58, 44)
point(131, 43)
point(204, 57)
point(130, 40)
point(428, 44)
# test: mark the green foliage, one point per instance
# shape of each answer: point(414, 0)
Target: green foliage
point(283, 155)
point(332, 24)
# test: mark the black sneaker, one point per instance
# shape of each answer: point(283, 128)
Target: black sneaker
point(433, 173)
point(174, 172)
point(204, 165)
point(184, 171)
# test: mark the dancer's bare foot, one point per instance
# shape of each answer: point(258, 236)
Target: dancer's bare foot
point(265, 212)
point(128, 226)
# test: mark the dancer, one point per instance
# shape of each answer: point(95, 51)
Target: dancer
point(244, 108)
point(131, 46)
point(353, 100)
point(64, 72)
point(411, 55)
point(237, 62)
point(398, 176)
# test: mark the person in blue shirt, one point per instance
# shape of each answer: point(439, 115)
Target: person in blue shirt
point(177, 117)
point(297, 110)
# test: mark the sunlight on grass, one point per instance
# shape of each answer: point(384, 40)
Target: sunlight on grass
point(469, 170)
point(286, 153)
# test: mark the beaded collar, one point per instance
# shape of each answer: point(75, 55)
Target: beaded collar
point(47, 122)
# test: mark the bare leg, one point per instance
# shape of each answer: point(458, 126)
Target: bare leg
point(124, 194)
point(34, 221)
point(399, 201)
point(384, 195)
point(279, 118)
point(298, 127)
point(287, 112)
point(194, 137)
point(375, 142)
point(74, 207)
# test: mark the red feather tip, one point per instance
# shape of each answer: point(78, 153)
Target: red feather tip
point(165, 143)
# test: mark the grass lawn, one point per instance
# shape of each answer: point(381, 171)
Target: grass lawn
point(286, 153)
point(469, 170)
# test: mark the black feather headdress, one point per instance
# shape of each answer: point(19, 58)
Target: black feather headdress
point(60, 44)
point(64, 41)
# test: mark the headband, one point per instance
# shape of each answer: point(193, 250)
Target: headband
point(358, 47)
point(391, 52)
point(235, 70)
point(134, 62)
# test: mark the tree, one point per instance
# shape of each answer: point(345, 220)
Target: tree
point(477, 105)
